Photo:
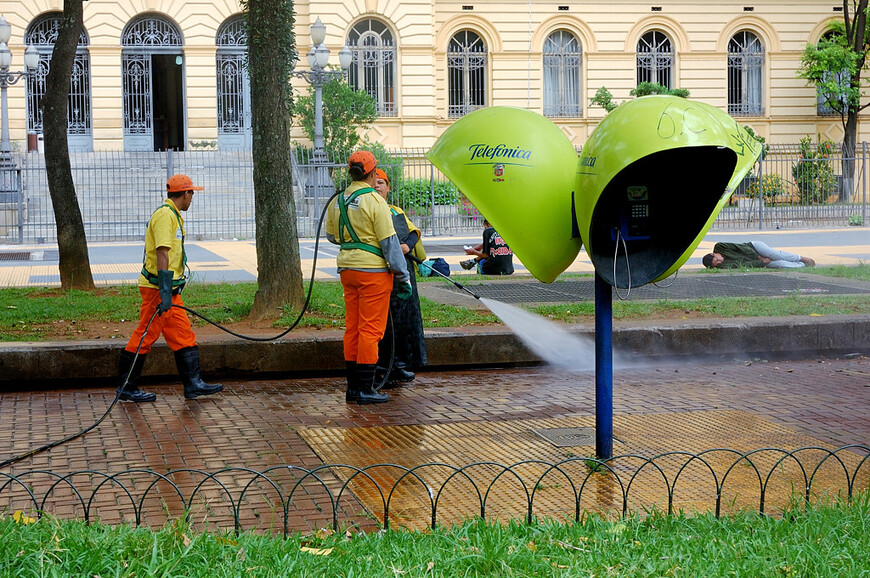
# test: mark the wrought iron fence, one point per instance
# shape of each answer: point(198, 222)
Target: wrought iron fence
point(117, 192)
point(799, 187)
point(284, 499)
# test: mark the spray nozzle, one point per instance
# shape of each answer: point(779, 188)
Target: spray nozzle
point(419, 261)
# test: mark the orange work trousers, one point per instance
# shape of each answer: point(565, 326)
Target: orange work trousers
point(174, 324)
point(367, 304)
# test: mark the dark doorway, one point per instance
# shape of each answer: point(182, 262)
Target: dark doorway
point(167, 96)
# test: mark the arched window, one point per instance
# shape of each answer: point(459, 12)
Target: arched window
point(373, 68)
point(655, 59)
point(233, 86)
point(466, 73)
point(562, 75)
point(42, 34)
point(745, 69)
point(831, 103)
point(153, 85)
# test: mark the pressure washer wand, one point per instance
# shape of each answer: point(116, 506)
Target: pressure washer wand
point(419, 261)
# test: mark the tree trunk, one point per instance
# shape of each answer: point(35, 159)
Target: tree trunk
point(270, 51)
point(850, 139)
point(72, 244)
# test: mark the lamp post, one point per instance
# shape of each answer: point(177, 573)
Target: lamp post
point(10, 175)
point(8, 77)
point(317, 76)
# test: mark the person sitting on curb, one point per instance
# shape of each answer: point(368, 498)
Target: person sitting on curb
point(753, 254)
point(492, 256)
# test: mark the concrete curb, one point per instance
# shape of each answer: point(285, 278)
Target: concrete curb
point(321, 352)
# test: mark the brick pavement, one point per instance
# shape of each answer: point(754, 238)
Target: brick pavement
point(255, 424)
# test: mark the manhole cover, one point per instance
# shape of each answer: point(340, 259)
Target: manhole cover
point(564, 437)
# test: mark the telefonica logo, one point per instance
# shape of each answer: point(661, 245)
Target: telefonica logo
point(483, 151)
point(588, 161)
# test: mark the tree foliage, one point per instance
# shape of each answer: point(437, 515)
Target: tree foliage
point(345, 113)
point(604, 98)
point(834, 66)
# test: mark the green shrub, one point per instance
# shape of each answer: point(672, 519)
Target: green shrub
point(813, 171)
point(771, 186)
point(391, 164)
point(415, 194)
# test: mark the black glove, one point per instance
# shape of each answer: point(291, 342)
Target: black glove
point(164, 285)
point(404, 291)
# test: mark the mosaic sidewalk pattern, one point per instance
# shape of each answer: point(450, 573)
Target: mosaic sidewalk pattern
point(663, 461)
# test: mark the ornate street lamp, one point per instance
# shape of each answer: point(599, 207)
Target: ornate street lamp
point(8, 77)
point(10, 174)
point(317, 76)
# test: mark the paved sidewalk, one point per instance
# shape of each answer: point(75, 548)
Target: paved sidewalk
point(260, 424)
point(229, 261)
point(272, 418)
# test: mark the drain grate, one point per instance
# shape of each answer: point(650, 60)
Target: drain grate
point(566, 437)
point(37, 255)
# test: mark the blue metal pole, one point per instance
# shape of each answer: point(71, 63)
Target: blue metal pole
point(603, 369)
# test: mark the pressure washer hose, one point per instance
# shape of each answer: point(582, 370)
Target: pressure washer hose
point(419, 261)
point(54, 444)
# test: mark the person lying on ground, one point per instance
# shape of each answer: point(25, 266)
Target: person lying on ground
point(753, 254)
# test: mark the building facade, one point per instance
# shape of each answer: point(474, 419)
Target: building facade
point(170, 74)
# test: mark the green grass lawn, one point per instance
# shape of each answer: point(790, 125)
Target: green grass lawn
point(28, 314)
point(830, 539)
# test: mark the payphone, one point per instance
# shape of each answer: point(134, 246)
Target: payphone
point(647, 186)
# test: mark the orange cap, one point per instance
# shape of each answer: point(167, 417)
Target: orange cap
point(365, 159)
point(382, 175)
point(180, 183)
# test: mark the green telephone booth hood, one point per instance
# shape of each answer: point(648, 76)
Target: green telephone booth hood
point(518, 169)
point(651, 180)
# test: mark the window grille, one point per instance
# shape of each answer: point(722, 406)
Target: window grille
point(151, 31)
point(233, 87)
point(562, 58)
point(137, 93)
point(142, 38)
point(466, 74)
point(745, 75)
point(655, 59)
point(42, 34)
point(373, 68)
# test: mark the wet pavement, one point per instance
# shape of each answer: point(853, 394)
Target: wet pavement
point(148, 463)
point(263, 424)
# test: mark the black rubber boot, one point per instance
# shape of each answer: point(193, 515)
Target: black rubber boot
point(365, 381)
point(400, 372)
point(131, 392)
point(397, 376)
point(187, 361)
point(352, 393)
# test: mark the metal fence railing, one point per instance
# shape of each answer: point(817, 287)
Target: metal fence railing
point(117, 191)
point(799, 187)
point(287, 498)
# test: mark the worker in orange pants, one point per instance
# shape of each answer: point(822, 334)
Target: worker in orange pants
point(160, 284)
point(360, 221)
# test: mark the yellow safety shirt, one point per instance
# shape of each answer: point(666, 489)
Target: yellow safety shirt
point(372, 222)
point(165, 229)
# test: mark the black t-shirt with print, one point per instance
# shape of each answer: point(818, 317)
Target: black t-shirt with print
point(501, 258)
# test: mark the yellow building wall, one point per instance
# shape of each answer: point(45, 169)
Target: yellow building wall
point(514, 31)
